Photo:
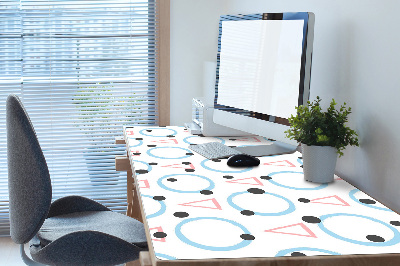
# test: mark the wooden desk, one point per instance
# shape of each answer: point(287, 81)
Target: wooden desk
point(299, 223)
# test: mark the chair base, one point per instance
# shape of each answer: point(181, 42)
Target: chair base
point(26, 259)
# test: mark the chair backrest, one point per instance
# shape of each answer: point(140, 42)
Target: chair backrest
point(29, 183)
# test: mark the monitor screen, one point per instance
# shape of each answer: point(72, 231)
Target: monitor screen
point(263, 71)
point(260, 63)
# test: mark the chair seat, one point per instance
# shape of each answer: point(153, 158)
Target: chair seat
point(108, 222)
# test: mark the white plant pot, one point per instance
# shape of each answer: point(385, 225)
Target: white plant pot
point(319, 163)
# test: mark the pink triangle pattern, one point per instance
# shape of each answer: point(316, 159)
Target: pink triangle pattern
point(303, 226)
point(213, 201)
point(249, 181)
point(340, 201)
point(166, 141)
point(285, 163)
point(179, 165)
point(145, 182)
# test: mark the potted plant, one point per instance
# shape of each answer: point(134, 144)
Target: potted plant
point(323, 135)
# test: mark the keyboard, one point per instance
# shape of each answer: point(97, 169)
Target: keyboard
point(213, 150)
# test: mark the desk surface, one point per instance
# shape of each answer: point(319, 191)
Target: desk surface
point(200, 209)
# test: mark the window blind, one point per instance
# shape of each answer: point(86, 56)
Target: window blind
point(83, 69)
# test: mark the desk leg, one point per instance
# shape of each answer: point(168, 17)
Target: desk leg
point(129, 192)
point(144, 260)
point(132, 197)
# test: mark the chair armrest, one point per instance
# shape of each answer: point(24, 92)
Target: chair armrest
point(72, 204)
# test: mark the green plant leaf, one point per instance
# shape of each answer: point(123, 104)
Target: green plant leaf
point(312, 126)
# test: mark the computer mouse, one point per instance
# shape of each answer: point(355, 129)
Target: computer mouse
point(240, 160)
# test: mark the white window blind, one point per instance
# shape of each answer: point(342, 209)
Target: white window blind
point(83, 69)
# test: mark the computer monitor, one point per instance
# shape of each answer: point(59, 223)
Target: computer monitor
point(263, 73)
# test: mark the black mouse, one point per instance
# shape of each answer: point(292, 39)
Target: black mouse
point(240, 160)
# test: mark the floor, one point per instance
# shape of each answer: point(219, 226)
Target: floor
point(9, 253)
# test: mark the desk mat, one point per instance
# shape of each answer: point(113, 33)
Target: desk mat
point(200, 209)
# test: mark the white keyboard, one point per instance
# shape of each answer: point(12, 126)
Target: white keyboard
point(213, 150)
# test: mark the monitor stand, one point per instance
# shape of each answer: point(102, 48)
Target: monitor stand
point(275, 148)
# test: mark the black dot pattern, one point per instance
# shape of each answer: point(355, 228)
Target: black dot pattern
point(265, 177)
point(216, 160)
point(311, 219)
point(256, 191)
point(367, 201)
point(186, 163)
point(181, 214)
point(171, 136)
point(189, 170)
point(228, 177)
point(172, 179)
point(304, 200)
point(153, 163)
point(141, 171)
point(151, 146)
point(139, 138)
point(159, 198)
point(189, 153)
point(375, 238)
point(247, 212)
point(297, 254)
point(247, 237)
point(395, 223)
point(159, 234)
point(206, 192)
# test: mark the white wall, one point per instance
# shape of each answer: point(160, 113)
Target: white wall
point(194, 41)
point(356, 60)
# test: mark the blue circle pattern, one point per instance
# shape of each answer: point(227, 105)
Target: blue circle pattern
point(142, 132)
point(300, 161)
point(290, 209)
point(290, 250)
point(295, 188)
point(164, 256)
point(149, 152)
point(393, 241)
point(140, 144)
point(188, 142)
point(184, 239)
point(162, 209)
point(161, 185)
point(203, 164)
point(148, 165)
point(354, 191)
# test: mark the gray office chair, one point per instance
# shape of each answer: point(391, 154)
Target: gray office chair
point(70, 231)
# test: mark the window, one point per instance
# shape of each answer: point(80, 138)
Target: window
point(83, 69)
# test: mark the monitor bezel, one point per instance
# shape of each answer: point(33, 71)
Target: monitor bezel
point(305, 69)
